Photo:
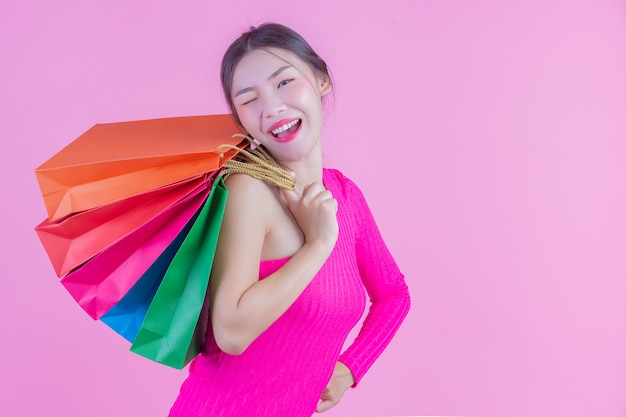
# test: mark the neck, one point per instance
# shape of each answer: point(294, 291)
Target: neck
point(307, 169)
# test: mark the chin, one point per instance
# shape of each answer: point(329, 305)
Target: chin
point(290, 156)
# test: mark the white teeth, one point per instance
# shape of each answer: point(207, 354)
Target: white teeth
point(285, 127)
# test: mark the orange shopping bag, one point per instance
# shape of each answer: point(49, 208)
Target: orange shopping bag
point(114, 161)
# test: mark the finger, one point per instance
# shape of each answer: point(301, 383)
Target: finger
point(313, 189)
point(326, 199)
point(324, 195)
point(290, 196)
point(334, 205)
point(324, 405)
point(298, 188)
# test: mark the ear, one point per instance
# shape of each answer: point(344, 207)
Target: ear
point(326, 86)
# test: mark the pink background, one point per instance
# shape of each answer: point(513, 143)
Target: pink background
point(489, 137)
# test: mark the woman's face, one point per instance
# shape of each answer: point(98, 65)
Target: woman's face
point(278, 100)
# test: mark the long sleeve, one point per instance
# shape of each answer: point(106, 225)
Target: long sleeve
point(385, 285)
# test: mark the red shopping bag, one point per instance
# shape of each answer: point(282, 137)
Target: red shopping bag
point(74, 240)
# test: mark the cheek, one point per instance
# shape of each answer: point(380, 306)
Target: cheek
point(302, 95)
point(247, 117)
point(306, 99)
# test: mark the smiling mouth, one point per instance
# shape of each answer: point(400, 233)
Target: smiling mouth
point(286, 129)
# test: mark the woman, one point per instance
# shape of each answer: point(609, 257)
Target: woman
point(291, 268)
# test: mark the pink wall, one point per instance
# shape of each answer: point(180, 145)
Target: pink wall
point(489, 137)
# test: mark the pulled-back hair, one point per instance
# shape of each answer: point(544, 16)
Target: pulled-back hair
point(267, 35)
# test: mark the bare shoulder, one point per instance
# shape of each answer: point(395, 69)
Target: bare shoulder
point(250, 205)
point(249, 196)
point(243, 183)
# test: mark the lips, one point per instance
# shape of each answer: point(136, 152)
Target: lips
point(285, 130)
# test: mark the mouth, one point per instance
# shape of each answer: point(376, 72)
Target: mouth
point(285, 128)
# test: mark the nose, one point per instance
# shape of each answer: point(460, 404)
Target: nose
point(273, 105)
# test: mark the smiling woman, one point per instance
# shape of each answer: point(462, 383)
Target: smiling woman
point(291, 268)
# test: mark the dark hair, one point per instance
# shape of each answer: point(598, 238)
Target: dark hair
point(267, 35)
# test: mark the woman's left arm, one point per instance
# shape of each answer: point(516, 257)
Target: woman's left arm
point(385, 285)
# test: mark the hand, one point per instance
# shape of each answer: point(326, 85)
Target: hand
point(341, 380)
point(316, 213)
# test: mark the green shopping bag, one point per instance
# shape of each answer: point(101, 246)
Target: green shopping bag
point(173, 330)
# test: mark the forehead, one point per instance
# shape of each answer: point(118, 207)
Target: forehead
point(259, 64)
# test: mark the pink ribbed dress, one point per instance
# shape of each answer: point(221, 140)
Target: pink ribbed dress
point(284, 371)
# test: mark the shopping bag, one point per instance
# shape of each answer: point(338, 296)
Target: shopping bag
point(173, 330)
point(126, 317)
point(114, 161)
point(101, 282)
point(74, 240)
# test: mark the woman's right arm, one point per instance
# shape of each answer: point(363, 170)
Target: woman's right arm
point(242, 307)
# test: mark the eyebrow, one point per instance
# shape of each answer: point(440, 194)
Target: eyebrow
point(271, 77)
